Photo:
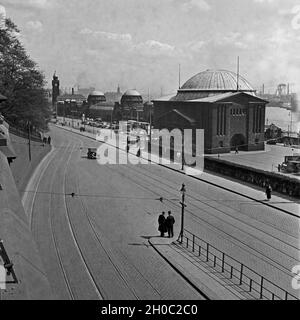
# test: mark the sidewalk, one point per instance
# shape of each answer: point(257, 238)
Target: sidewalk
point(213, 283)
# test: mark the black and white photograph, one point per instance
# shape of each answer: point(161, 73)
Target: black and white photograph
point(149, 151)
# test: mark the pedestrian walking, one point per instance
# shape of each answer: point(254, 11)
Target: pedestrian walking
point(162, 224)
point(49, 140)
point(170, 220)
point(138, 154)
point(236, 150)
point(268, 191)
point(279, 167)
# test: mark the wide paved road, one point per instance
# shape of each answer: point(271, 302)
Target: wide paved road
point(94, 245)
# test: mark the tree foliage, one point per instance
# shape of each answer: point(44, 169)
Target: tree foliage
point(21, 82)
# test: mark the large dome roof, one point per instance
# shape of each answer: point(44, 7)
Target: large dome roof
point(132, 92)
point(217, 80)
point(96, 94)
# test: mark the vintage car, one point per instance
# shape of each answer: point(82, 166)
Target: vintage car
point(92, 153)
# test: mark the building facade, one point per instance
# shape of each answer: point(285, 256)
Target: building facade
point(220, 102)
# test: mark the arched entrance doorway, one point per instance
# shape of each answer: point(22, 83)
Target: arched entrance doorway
point(238, 141)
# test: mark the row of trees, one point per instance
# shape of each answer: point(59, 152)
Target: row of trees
point(21, 82)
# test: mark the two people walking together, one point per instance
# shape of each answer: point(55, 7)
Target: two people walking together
point(166, 224)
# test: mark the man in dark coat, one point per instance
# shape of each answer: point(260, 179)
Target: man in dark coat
point(268, 191)
point(162, 224)
point(170, 220)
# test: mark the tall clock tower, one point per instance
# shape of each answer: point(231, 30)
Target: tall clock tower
point(55, 89)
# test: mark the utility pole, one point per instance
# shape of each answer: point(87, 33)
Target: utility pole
point(182, 151)
point(179, 80)
point(29, 141)
point(183, 191)
point(111, 120)
point(238, 74)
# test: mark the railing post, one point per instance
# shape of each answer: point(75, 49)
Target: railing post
point(187, 242)
point(223, 259)
point(286, 295)
point(261, 287)
point(207, 251)
point(273, 296)
point(193, 242)
point(241, 275)
point(250, 285)
point(199, 251)
point(215, 259)
point(231, 272)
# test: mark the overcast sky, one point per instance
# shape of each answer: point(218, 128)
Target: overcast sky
point(140, 43)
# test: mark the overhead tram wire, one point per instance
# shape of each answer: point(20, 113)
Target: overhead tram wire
point(197, 218)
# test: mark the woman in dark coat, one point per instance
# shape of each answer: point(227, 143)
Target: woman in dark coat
point(162, 224)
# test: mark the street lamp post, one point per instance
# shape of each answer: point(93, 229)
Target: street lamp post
point(182, 151)
point(183, 191)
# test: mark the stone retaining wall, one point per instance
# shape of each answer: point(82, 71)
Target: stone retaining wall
point(279, 183)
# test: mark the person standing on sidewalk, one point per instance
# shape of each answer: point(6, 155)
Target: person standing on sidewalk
point(268, 191)
point(162, 224)
point(170, 220)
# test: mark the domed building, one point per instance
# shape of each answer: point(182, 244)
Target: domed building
point(220, 102)
point(131, 105)
point(96, 97)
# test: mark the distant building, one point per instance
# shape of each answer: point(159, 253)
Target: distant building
point(71, 105)
point(148, 112)
point(290, 138)
point(96, 97)
point(113, 96)
point(220, 102)
point(131, 105)
point(55, 89)
point(272, 131)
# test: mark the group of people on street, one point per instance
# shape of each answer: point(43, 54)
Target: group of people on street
point(166, 224)
point(47, 140)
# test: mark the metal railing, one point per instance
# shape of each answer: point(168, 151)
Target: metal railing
point(34, 136)
point(252, 282)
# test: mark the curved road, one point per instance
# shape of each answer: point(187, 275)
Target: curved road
point(94, 245)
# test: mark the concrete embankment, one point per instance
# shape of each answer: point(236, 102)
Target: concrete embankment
point(18, 241)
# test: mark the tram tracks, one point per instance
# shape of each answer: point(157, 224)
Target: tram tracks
point(97, 288)
point(252, 251)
